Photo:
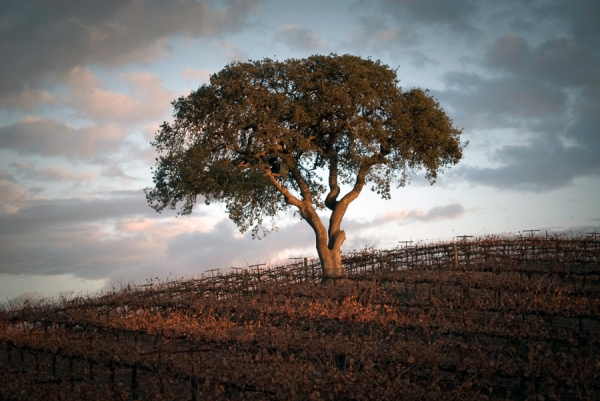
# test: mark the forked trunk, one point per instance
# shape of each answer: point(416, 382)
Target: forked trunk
point(331, 262)
point(329, 242)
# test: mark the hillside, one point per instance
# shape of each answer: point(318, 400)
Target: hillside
point(492, 318)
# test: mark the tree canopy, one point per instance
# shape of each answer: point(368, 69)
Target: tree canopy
point(264, 136)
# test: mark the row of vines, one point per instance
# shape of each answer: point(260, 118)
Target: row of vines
point(491, 318)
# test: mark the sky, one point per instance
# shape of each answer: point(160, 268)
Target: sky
point(85, 85)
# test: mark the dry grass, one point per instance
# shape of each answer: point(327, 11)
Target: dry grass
point(493, 327)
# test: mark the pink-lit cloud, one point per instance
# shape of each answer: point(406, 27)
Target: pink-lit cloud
point(148, 100)
point(446, 212)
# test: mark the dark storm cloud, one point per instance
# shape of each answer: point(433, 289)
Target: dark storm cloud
point(41, 40)
point(421, 60)
point(563, 61)
point(499, 102)
point(455, 14)
point(395, 26)
point(36, 136)
point(544, 164)
point(581, 14)
point(563, 139)
point(548, 92)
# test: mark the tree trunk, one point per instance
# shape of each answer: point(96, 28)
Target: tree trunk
point(331, 262)
point(329, 244)
point(328, 249)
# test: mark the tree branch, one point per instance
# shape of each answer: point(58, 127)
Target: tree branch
point(358, 184)
point(337, 236)
point(304, 188)
point(331, 200)
point(291, 199)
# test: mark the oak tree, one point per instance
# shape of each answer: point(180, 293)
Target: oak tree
point(266, 136)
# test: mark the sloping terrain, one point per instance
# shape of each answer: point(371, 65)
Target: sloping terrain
point(502, 319)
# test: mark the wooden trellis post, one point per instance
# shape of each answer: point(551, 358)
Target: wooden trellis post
point(455, 256)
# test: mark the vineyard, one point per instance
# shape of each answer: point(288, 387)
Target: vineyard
point(491, 318)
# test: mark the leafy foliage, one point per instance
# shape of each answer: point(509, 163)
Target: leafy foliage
point(259, 136)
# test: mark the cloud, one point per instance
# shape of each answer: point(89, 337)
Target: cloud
point(509, 52)
point(192, 252)
point(502, 101)
point(562, 60)
point(148, 100)
point(420, 60)
point(11, 193)
point(230, 51)
point(120, 237)
point(25, 100)
point(119, 234)
point(545, 163)
point(432, 11)
point(454, 15)
point(375, 32)
point(298, 38)
point(51, 214)
point(81, 236)
point(579, 15)
point(48, 137)
point(86, 251)
point(51, 173)
point(42, 41)
point(191, 74)
point(437, 213)
point(447, 212)
point(550, 94)
point(206, 250)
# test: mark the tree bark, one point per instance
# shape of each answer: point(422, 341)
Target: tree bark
point(331, 263)
point(329, 251)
